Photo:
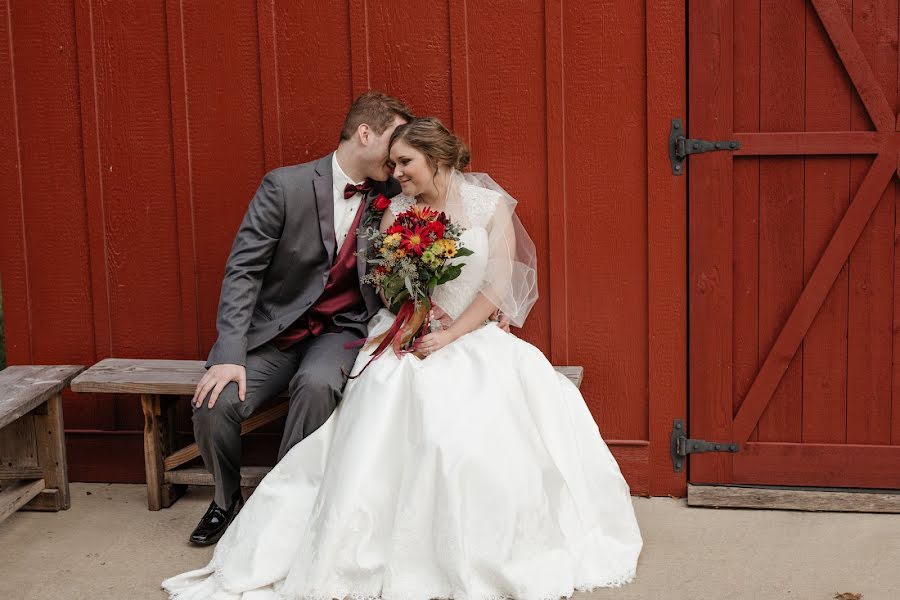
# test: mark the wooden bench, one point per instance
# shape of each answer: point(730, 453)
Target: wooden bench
point(33, 473)
point(160, 383)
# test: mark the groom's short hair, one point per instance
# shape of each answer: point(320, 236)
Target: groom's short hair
point(375, 109)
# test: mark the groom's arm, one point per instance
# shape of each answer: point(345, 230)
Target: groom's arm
point(250, 256)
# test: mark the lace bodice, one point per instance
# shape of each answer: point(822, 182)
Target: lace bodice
point(473, 213)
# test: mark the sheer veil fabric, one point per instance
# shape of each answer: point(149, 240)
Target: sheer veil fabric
point(510, 276)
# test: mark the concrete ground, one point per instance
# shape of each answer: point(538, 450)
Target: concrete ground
point(109, 546)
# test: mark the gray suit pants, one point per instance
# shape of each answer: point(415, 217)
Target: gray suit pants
point(310, 370)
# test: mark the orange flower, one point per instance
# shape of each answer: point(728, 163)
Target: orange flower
point(424, 213)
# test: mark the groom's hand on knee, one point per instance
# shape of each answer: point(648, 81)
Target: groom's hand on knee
point(215, 380)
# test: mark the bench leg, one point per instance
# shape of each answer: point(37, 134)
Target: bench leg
point(51, 454)
point(158, 436)
point(170, 491)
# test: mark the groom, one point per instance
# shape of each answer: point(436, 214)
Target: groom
point(291, 299)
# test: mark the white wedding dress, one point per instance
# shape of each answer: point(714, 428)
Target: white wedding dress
point(477, 473)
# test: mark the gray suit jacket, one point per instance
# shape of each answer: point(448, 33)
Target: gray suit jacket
point(280, 260)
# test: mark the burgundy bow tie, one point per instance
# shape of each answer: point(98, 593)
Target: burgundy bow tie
point(362, 188)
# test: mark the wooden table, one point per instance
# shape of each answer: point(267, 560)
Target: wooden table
point(33, 473)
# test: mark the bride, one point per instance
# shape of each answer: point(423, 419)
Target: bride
point(471, 471)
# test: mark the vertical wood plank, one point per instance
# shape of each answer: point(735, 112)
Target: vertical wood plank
point(459, 68)
point(895, 362)
point(745, 340)
point(54, 225)
point(557, 164)
point(184, 200)
point(223, 142)
point(711, 234)
point(52, 201)
point(138, 188)
point(398, 63)
point(666, 243)
point(360, 60)
point(13, 244)
point(782, 105)
point(828, 94)
point(314, 86)
point(90, 136)
point(895, 357)
point(103, 409)
point(268, 73)
point(871, 265)
point(606, 210)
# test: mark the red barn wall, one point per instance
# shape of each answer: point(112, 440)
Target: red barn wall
point(133, 135)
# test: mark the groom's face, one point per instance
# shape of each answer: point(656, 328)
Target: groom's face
point(379, 165)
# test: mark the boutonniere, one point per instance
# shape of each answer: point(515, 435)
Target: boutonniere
point(380, 204)
point(369, 228)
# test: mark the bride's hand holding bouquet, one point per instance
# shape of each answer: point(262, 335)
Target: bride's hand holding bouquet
point(412, 257)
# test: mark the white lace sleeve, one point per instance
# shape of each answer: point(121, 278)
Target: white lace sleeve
point(400, 204)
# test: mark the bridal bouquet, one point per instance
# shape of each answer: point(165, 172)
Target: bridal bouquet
point(412, 257)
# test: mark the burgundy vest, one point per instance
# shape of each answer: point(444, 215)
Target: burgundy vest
point(341, 294)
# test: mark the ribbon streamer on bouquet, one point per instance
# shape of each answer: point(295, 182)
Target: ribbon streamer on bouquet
point(393, 337)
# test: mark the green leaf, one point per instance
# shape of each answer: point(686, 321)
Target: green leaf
point(397, 301)
point(464, 252)
point(451, 273)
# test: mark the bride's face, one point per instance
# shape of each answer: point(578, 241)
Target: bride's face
point(376, 152)
point(411, 169)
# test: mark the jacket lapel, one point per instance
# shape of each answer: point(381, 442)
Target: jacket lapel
point(323, 185)
point(362, 242)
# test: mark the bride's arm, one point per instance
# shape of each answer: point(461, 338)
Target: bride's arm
point(473, 317)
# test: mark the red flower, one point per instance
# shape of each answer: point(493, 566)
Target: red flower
point(414, 240)
point(381, 203)
point(435, 230)
point(395, 228)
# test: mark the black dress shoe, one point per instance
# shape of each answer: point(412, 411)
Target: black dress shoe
point(215, 522)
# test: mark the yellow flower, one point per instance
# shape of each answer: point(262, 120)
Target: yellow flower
point(447, 247)
point(392, 240)
point(400, 253)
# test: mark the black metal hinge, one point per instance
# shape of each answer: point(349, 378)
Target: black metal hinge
point(683, 445)
point(680, 147)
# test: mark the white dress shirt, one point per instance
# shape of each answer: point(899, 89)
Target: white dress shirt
point(344, 210)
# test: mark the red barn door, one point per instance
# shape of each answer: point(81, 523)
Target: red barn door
point(793, 287)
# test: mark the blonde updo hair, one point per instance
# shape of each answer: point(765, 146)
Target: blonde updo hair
point(439, 145)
